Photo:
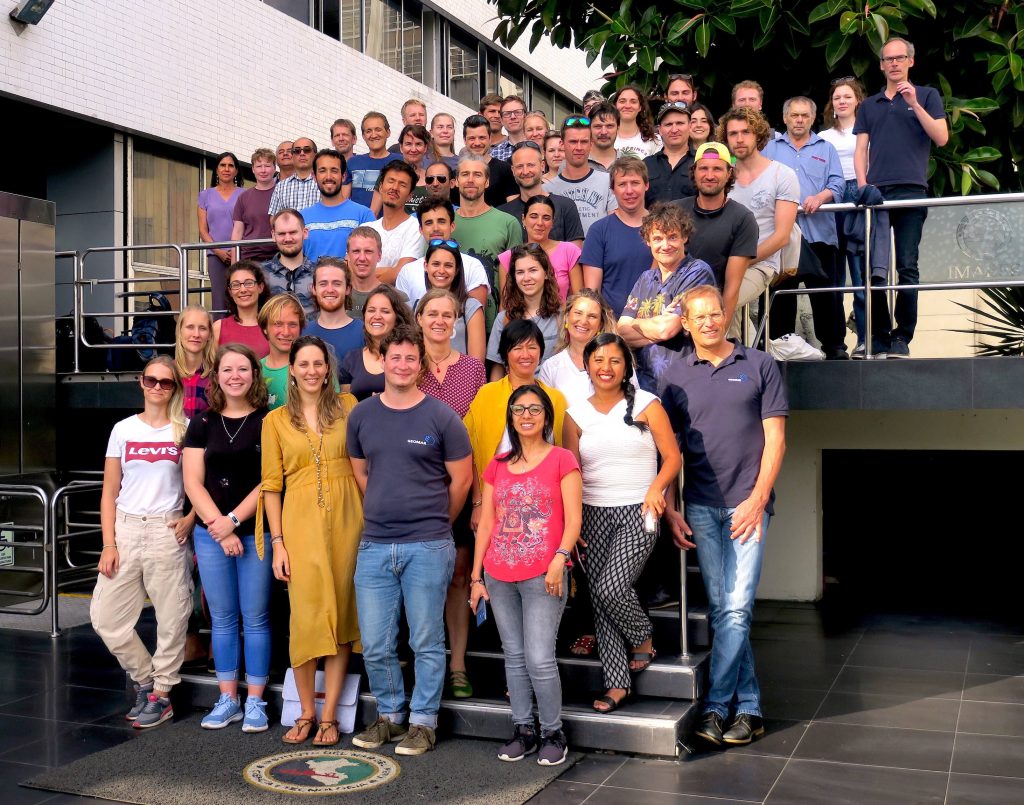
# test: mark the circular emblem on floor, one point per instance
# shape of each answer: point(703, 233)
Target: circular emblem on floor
point(315, 772)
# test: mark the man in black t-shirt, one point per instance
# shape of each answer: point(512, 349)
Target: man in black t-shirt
point(725, 233)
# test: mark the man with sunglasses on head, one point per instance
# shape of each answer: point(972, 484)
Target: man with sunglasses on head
point(513, 118)
point(680, 88)
point(895, 130)
point(604, 129)
point(669, 169)
point(437, 225)
point(585, 186)
point(528, 168)
point(299, 190)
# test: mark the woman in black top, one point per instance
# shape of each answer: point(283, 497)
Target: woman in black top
point(362, 371)
point(222, 472)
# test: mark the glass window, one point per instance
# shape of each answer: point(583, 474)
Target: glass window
point(510, 80)
point(165, 189)
point(542, 99)
point(563, 108)
point(352, 23)
point(491, 71)
point(329, 12)
point(297, 9)
point(394, 35)
point(463, 71)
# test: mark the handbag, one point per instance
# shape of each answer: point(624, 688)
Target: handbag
point(345, 714)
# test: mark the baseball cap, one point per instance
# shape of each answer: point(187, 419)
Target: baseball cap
point(673, 106)
point(715, 151)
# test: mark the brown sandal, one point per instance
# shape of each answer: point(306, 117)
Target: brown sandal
point(304, 724)
point(323, 728)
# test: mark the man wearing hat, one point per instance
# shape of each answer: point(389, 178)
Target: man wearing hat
point(725, 232)
point(669, 169)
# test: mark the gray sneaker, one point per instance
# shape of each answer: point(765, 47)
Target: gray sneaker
point(523, 743)
point(419, 741)
point(379, 733)
point(553, 749)
point(157, 710)
point(141, 697)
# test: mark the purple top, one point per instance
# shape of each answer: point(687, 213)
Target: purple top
point(219, 213)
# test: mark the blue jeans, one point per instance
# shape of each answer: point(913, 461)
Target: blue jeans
point(237, 585)
point(907, 226)
point(417, 573)
point(731, 572)
point(527, 619)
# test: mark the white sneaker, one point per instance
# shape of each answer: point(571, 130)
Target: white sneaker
point(793, 348)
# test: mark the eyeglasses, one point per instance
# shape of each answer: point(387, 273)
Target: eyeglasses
point(526, 144)
point(164, 383)
point(576, 122)
point(680, 77)
point(236, 284)
point(435, 179)
point(451, 244)
point(716, 317)
point(843, 80)
point(895, 59)
point(518, 410)
point(514, 113)
point(302, 149)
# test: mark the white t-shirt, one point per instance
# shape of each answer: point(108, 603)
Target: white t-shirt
point(845, 143)
point(150, 467)
point(404, 240)
point(561, 373)
point(619, 462)
point(637, 146)
point(413, 283)
point(777, 182)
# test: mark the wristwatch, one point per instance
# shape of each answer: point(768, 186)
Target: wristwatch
point(233, 519)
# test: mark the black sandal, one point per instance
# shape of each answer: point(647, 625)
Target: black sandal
point(612, 704)
point(644, 658)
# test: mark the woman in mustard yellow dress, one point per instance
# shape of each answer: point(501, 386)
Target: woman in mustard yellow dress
point(314, 529)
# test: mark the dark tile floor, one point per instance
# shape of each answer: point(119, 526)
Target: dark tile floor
point(893, 709)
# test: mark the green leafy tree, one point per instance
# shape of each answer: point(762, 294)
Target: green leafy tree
point(972, 51)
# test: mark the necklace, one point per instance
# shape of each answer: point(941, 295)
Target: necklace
point(317, 453)
point(437, 364)
point(231, 439)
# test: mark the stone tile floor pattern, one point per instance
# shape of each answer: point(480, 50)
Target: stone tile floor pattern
point(893, 709)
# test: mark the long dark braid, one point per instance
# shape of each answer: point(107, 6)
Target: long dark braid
point(630, 391)
point(606, 339)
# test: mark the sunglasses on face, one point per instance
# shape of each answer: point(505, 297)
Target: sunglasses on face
point(435, 179)
point(164, 383)
point(303, 149)
point(518, 410)
point(451, 244)
point(577, 122)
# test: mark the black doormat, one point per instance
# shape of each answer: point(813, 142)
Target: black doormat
point(183, 764)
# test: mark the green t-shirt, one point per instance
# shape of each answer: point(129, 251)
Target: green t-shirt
point(488, 235)
point(277, 384)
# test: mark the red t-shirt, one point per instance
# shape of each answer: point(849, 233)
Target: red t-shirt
point(528, 516)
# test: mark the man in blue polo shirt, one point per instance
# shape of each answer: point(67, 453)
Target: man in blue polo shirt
point(727, 404)
point(332, 219)
point(895, 130)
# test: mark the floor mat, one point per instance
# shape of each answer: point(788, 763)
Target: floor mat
point(183, 764)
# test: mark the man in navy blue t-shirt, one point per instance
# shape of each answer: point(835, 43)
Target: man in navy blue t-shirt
point(412, 458)
point(727, 404)
point(895, 130)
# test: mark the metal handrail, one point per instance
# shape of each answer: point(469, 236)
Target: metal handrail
point(867, 287)
point(39, 494)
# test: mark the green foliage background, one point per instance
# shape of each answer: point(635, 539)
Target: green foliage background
point(973, 52)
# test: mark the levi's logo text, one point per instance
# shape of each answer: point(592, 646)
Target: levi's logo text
point(152, 451)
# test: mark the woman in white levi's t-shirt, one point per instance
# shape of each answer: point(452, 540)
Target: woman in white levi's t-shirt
point(144, 543)
point(618, 436)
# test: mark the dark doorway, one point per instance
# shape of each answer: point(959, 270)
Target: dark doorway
point(923, 531)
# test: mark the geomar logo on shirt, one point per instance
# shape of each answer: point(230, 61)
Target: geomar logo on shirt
point(152, 451)
point(428, 441)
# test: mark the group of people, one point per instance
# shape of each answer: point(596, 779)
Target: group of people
point(417, 402)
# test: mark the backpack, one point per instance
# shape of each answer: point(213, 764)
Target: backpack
point(146, 331)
